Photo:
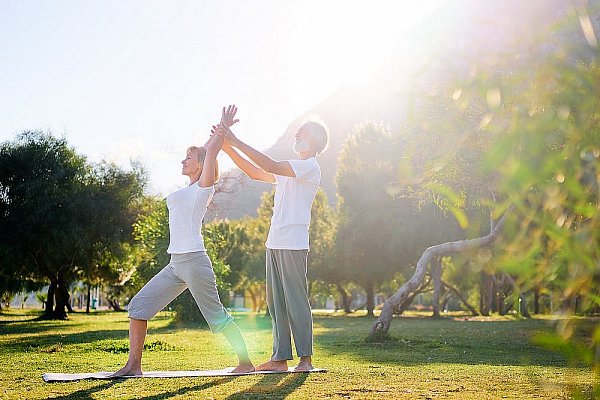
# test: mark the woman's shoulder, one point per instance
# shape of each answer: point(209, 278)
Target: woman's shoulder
point(210, 188)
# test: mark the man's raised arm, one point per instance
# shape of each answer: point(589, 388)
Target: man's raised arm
point(263, 161)
point(246, 166)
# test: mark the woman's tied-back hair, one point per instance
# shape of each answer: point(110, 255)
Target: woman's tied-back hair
point(201, 151)
point(319, 131)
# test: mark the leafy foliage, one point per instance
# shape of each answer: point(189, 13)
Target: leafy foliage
point(61, 217)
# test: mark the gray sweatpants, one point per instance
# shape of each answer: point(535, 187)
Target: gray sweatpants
point(287, 298)
point(190, 270)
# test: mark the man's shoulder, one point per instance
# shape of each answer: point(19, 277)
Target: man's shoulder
point(307, 162)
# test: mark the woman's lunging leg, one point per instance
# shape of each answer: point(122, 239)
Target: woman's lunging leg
point(137, 335)
point(234, 337)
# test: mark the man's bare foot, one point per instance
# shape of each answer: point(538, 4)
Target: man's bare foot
point(272, 365)
point(243, 368)
point(305, 364)
point(127, 371)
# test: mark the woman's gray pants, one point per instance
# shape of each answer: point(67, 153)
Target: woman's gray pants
point(189, 270)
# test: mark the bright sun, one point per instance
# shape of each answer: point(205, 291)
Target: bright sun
point(346, 42)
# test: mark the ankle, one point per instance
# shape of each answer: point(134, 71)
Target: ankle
point(133, 365)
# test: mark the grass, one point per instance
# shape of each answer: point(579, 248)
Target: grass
point(450, 357)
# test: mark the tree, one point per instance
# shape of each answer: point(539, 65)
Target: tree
point(322, 261)
point(12, 283)
point(382, 325)
point(366, 220)
point(59, 212)
point(543, 120)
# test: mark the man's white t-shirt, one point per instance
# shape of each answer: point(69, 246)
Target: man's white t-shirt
point(187, 207)
point(293, 200)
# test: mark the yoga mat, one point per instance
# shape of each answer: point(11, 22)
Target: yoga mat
point(58, 377)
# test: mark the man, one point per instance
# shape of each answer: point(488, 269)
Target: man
point(287, 244)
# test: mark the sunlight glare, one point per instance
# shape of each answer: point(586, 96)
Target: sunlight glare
point(345, 43)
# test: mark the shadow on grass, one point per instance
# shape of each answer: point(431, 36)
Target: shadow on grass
point(85, 394)
point(192, 389)
point(42, 338)
point(421, 341)
point(272, 386)
point(50, 342)
point(41, 342)
point(37, 322)
point(415, 340)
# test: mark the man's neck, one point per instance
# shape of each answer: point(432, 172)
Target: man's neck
point(305, 155)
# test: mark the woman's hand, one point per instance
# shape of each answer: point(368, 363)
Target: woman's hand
point(215, 143)
point(228, 115)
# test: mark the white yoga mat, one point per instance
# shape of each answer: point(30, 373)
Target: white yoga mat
point(57, 377)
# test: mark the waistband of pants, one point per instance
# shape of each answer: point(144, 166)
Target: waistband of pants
point(183, 257)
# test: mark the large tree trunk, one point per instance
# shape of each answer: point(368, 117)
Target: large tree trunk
point(382, 325)
point(369, 288)
point(62, 298)
point(48, 312)
point(345, 298)
point(436, 277)
point(69, 306)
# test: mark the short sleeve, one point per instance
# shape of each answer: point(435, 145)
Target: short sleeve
point(306, 170)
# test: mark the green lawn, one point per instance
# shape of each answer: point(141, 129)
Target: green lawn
point(451, 357)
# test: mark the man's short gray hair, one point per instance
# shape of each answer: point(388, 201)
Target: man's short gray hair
point(319, 132)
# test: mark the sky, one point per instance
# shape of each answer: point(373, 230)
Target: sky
point(144, 80)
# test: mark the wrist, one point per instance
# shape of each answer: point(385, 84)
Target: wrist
point(234, 141)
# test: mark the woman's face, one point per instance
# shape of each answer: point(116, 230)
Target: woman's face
point(190, 164)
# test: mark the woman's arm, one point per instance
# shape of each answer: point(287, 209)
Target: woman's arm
point(207, 177)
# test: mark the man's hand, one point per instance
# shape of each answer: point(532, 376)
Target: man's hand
point(228, 115)
point(225, 133)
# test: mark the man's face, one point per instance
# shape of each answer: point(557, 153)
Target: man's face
point(303, 140)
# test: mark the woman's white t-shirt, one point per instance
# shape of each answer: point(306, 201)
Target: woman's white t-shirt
point(187, 207)
point(292, 204)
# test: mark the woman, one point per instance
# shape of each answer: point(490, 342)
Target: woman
point(189, 267)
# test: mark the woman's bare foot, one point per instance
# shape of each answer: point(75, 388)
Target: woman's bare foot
point(127, 371)
point(272, 365)
point(243, 368)
point(305, 364)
